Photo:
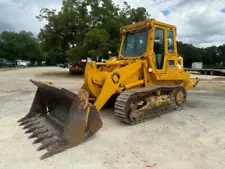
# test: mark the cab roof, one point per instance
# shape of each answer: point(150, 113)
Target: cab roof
point(145, 23)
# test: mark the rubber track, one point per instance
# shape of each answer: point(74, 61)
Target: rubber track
point(122, 103)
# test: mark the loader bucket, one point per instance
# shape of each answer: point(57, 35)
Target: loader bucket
point(59, 119)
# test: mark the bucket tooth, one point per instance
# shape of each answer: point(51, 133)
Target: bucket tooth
point(37, 132)
point(38, 140)
point(23, 119)
point(41, 137)
point(30, 120)
point(47, 143)
point(28, 131)
point(46, 155)
point(54, 149)
point(42, 147)
point(32, 136)
point(26, 127)
point(24, 122)
point(20, 120)
point(29, 117)
point(31, 129)
point(30, 124)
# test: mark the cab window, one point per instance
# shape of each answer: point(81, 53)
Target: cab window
point(135, 43)
point(159, 47)
point(170, 42)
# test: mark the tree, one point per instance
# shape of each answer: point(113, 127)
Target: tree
point(221, 53)
point(67, 32)
point(189, 53)
point(20, 45)
point(65, 29)
point(96, 42)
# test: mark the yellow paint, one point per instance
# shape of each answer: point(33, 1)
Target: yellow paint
point(48, 83)
point(140, 82)
point(104, 79)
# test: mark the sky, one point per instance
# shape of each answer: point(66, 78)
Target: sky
point(200, 22)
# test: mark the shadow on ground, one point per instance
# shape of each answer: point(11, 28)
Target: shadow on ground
point(62, 74)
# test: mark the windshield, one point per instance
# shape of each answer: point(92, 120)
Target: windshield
point(135, 43)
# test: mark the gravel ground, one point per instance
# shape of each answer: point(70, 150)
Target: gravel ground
point(193, 138)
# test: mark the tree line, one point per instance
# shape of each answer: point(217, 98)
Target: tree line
point(19, 45)
point(210, 56)
point(86, 28)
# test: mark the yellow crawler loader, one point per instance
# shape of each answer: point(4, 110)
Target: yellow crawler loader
point(145, 80)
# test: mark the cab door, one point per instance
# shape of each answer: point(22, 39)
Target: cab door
point(172, 63)
point(159, 49)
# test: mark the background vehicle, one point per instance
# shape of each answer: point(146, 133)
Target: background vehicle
point(6, 63)
point(145, 80)
point(78, 67)
point(1, 63)
point(13, 63)
point(22, 63)
point(62, 65)
point(214, 70)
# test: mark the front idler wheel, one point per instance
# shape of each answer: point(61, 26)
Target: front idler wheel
point(180, 96)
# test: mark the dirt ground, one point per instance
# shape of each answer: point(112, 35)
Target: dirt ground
point(193, 138)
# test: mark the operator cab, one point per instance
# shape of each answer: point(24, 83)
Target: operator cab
point(151, 37)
